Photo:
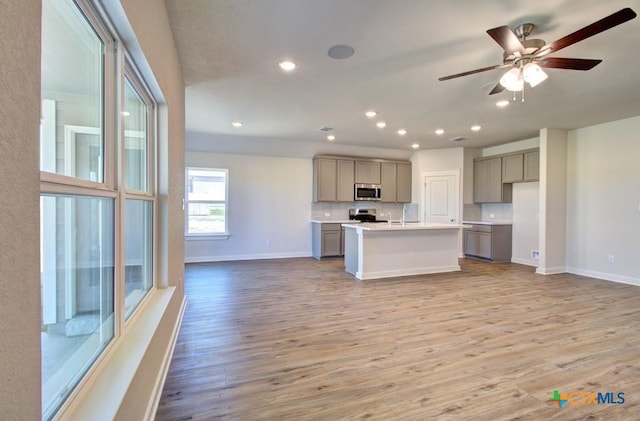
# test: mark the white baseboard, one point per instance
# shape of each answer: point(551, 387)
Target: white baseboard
point(407, 272)
point(605, 276)
point(551, 271)
point(225, 258)
point(527, 262)
point(152, 407)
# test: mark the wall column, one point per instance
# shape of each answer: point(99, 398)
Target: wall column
point(553, 202)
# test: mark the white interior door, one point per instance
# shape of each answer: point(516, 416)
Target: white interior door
point(441, 197)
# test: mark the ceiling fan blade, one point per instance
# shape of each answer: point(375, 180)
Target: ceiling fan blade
point(568, 63)
point(602, 25)
point(497, 89)
point(504, 36)
point(471, 72)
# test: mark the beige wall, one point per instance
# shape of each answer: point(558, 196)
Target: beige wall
point(603, 201)
point(269, 200)
point(20, 396)
point(20, 210)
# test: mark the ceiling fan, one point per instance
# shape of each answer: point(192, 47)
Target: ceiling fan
point(527, 57)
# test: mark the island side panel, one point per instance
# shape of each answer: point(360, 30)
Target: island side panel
point(350, 250)
point(408, 252)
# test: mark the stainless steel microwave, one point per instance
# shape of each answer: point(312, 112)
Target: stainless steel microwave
point(366, 192)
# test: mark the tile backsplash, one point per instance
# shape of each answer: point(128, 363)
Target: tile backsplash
point(328, 211)
point(488, 212)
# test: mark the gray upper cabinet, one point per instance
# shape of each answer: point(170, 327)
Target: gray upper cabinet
point(334, 177)
point(333, 180)
point(389, 181)
point(345, 180)
point(531, 166)
point(324, 180)
point(368, 172)
point(487, 180)
point(524, 166)
point(512, 168)
point(395, 182)
point(493, 176)
point(403, 191)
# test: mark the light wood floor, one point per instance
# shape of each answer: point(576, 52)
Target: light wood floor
point(299, 339)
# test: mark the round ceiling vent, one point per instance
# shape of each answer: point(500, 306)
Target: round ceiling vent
point(341, 51)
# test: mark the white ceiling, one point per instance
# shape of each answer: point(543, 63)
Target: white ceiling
point(230, 51)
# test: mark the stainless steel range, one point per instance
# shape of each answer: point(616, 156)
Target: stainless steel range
point(364, 215)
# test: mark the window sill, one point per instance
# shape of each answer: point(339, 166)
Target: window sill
point(102, 394)
point(207, 237)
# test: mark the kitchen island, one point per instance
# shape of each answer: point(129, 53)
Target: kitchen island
point(384, 250)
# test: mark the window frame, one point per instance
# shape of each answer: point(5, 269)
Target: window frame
point(116, 66)
point(130, 72)
point(206, 235)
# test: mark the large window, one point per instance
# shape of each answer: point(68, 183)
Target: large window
point(206, 205)
point(97, 195)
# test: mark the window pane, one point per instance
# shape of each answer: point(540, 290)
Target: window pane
point(71, 140)
point(138, 252)
point(206, 218)
point(206, 185)
point(135, 138)
point(77, 282)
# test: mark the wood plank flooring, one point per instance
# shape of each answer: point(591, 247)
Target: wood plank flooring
point(300, 339)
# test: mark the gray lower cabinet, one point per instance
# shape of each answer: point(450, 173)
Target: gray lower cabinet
point(489, 242)
point(327, 239)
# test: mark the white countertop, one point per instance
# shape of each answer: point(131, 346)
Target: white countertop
point(399, 226)
point(333, 221)
point(492, 222)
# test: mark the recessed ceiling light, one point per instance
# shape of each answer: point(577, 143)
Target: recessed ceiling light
point(502, 103)
point(415, 146)
point(287, 65)
point(371, 114)
point(402, 132)
point(439, 131)
point(331, 138)
point(381, 124)
point(236, 123)
point(476, 128)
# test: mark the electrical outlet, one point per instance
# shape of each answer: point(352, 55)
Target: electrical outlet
point(267, 243)
point(535, 255)
point(611, 258)
point(327, 214)
point(492, 216)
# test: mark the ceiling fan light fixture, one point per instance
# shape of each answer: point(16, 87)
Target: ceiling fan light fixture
point(533, 74)
point(512, 80)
